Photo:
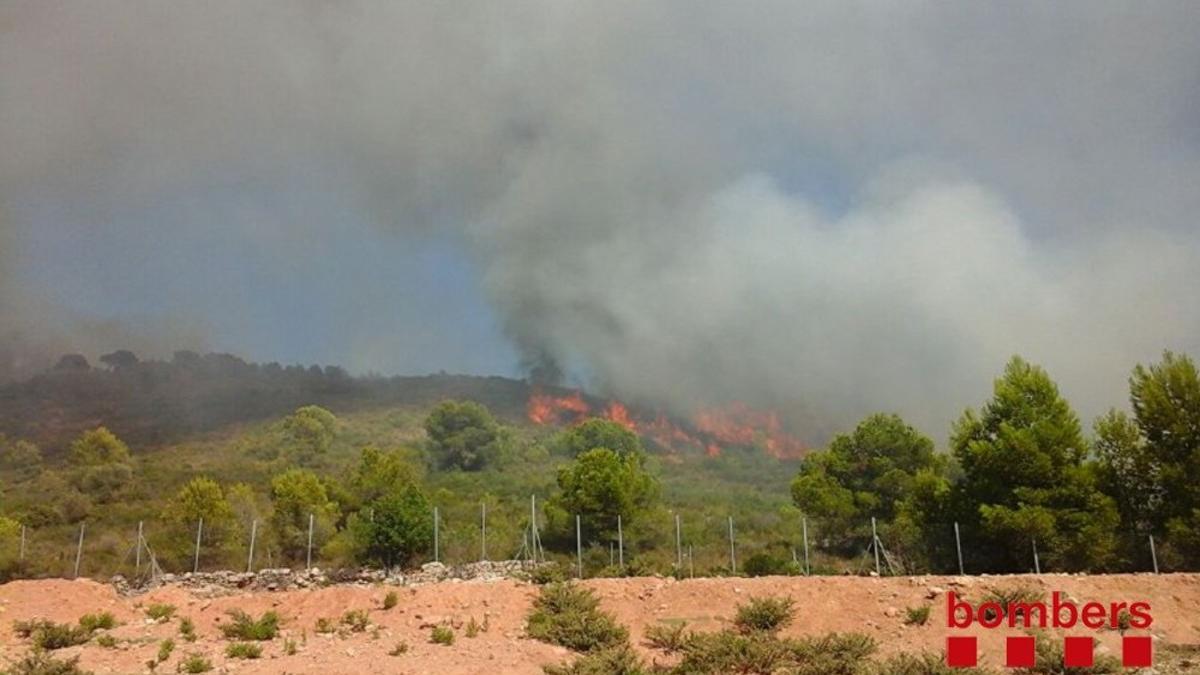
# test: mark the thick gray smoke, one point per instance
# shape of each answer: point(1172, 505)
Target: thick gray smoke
point(827, 208)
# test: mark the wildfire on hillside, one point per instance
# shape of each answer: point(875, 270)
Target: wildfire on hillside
point(711, 429)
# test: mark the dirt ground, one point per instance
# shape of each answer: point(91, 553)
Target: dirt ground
point(824, 604)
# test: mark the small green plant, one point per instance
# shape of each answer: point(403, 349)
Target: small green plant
point(325, 625)
point(289, 647)
point(569, 616)
point(400, 648)
point(917, 616)
point(925, 663)
point(41, 663)
point(187, 629)
point(620, 660)
point(244, 627)
point(243, 650)
point(195, 663)
point(391, 600)
point(473, 628)
point(164, 649)
point(107, 641)
point(94, 622)
point(356, 620)
point(1005, 597)
point(1124, 620)
point(766, 615)
point(160, 611)
point(669, 637)
point(47, 635)
point(546, 573)
point(442, 635)
point(1048, 660)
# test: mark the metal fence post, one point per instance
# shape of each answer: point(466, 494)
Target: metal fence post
point(22, 542)
point(308, 558)
point(579, 545)
point(137, 565)
point(958, 547)
point(620, 544)
point(678, 545)
point(1153, 554)
point(79, 549)
point(875, 545)
point(253, 536)
point(196, 559)
point(804, 528)
point(732, 550)
point(482, 531)
point(437, 557)
point(1037, 566)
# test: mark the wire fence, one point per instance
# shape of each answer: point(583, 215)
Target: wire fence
point(586, 546)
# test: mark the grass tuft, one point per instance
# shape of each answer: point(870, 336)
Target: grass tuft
point(244, 627)
point(766, 615)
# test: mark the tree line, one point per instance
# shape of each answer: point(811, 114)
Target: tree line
point(1019, 469)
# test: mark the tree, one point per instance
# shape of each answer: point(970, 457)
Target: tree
point(595, 433)
point(1025, 478)
point(396, 528)
point(102, 464)
point(99, 446)
point(1152, 462)
point(463, 435)
point(380, 473)
point(312, 429)
point(122, 358)
point(864, 474)
point(598, 486)
point(200, 498)
point(19, 456)
point(295, 494)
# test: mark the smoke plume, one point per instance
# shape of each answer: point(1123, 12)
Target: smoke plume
point(825, 208)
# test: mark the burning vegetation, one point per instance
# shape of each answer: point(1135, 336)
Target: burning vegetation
point(710, 430)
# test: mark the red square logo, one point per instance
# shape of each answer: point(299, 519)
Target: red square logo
point(1019, 652)
point(1077, 652)
point(961, 652)
point(1136, 651)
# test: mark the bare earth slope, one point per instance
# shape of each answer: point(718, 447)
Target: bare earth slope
point(824, 604)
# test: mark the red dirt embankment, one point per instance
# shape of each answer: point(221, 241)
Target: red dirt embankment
point(823, 604)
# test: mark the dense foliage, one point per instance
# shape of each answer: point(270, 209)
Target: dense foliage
point(1019, 472)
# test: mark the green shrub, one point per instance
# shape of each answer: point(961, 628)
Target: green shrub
point(764, 615)
point(243, 650)
point(442, 635)
point(94, 622)
point(243, 627)
point(41, 663)
point(569, 616)
point(107, 641)
point(400, 648)
point(917, 616)
point(391, 600)
point(546, 573)
point(289, 647)
point(925, 663)
point(187, 629)
point(356, 620)
point(195, 663)
point(1009, 596)
point(160, 611)
point(764, 564)
point(325, 625)
point(47, 635)
point(164, 649)
point(1049, 659)
point(473, 628)
point(669, 637)
point(732, 652)
point(620, 660)
point(832, 654)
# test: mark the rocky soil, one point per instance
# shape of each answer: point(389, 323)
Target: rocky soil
point(871, 605)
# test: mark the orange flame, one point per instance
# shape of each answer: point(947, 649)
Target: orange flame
point(734, 425)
